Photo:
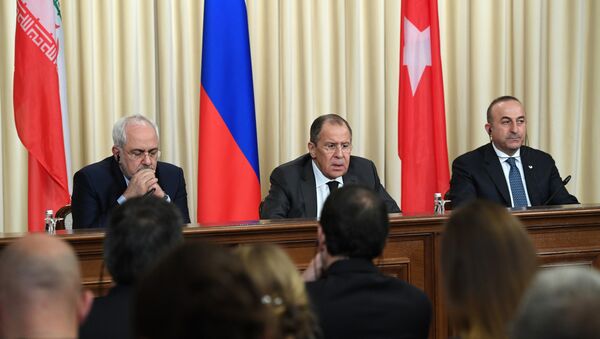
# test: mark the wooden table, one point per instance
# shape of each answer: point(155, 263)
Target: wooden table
point(568, 235)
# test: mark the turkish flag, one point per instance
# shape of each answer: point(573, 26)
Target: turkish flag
point(421, 118)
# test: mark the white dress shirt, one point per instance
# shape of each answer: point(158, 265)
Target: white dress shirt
point(321, 186)
point(502, 157)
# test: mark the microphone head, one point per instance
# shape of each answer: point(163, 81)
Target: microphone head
point(567, 179)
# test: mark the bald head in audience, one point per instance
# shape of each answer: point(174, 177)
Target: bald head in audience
point(40, 289)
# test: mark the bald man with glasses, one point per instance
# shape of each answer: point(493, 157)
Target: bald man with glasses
point(299, 188)
point(133, 170)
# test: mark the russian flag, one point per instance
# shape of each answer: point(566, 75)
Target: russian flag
point(228, 174)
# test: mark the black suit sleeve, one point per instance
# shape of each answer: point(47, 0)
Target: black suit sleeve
point(277, 203)
point(180, 198)
point(86, 206)
point(462, 187)
point(390, 203)
point(562, 196)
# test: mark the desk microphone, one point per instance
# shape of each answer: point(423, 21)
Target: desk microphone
point(564, 183)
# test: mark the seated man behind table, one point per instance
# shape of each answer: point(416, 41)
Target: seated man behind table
point(506, 171)
point(299, 188)
point(352, 298)
point(133, 170)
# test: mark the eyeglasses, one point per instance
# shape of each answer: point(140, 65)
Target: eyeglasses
point(138, 154)
point(330, 147)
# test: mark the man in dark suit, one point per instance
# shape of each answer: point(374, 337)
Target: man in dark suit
point(351, 297)
point(299, 188)
point(506, 171)
point(138, 234)
point(133, 170)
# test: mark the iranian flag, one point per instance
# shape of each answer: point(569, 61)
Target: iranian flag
point(40, 106)
point(421, 117)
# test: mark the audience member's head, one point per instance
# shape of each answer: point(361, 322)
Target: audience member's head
point(487, 261)
point(199, 290)
point(354, 223)
point(40, 289)
point(561, 303)
point(283, 289)
point(138, 233)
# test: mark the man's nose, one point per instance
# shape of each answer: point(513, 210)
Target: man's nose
point(146, 160)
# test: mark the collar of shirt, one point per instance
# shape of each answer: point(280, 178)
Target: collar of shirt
point(321, 188)
point(503, 156)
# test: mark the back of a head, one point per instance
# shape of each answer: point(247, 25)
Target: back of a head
point(282, 287)
point(38, 273)
point(355, 223)
point(199, 290)
point(139, 232)
point(487, 261)
point(561, 303)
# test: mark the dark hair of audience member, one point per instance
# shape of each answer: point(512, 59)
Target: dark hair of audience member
point(355, 222)
point(137, 234)
point(283, 290)
point(487, 261)
point(199, 290)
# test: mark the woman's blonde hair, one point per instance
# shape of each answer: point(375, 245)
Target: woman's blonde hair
point(283, 289)
point(487, 261)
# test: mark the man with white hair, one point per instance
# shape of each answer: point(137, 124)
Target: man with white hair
point(133, 170)
point(561, 303)
point(41, 295)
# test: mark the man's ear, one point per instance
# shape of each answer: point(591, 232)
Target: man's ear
point(312, 149)
point(320, 238)
point(116, 153)
point(85, 305)
point(488, 129)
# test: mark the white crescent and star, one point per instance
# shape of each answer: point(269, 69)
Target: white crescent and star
point(417, 52)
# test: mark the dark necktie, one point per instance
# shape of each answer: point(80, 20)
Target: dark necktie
point(333, 185)
point(516, 184)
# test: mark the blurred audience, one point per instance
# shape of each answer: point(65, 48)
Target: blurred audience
point(282, 288)
point(487, 261)
point(200, 290)
point(352, 298)
point(138, 233)
point(561, 303)
point(41, 295)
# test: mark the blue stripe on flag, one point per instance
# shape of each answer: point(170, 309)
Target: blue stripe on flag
point(227, 71)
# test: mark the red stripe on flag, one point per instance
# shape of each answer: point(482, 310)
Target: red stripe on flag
point(224, 173)
point(421, 117)
point(39, 125)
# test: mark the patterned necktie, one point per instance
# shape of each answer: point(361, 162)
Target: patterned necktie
point(333, 185)
point(516, 184)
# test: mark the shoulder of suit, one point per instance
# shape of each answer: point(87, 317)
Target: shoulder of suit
point(102, 165)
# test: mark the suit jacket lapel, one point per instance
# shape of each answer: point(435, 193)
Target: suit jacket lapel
point(529, 169)
point(494, 169)
point(309, 191)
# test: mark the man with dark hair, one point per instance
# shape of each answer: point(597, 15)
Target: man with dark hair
point(40, 289)
point(200, 290)
point(505, 170)
point(133, 170)
point(352, 298)
point(139, 232)
point(299, 188)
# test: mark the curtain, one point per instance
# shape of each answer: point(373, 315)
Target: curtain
point(312, 57)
